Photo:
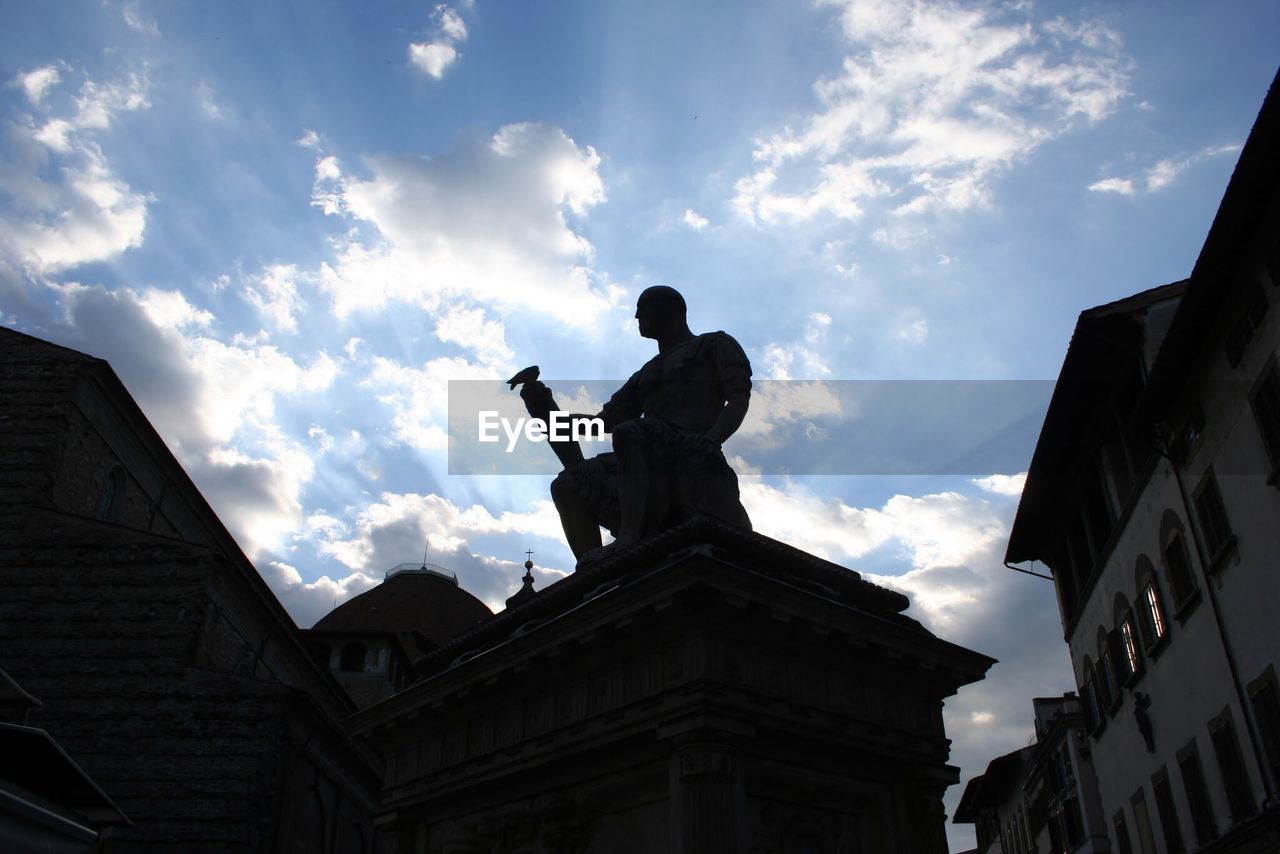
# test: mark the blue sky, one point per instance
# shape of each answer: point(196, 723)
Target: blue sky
point(289, 225)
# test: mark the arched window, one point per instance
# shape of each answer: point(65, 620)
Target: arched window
point(1176, 559)
point(353, 657)
point(1152, 624)
point(111, 499)
point(1089, 691)
point(1128, 652)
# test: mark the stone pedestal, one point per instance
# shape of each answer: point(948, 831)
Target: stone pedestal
point(708, 691)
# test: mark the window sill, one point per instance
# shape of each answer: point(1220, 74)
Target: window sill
point(1135, 677)
point(1225, 551)
point(1187, 606)
point(1154, 651)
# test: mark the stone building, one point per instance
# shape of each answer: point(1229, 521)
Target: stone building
point(706, 690)
point(373, 643)
point(1152, 498)
point(161, 662)
point(1042, 797)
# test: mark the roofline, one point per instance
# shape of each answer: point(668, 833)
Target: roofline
point(1253, 184)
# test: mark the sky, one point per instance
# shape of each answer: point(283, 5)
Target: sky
point(288, 227)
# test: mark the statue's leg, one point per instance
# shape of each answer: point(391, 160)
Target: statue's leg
point(578, 517)
point(643, 487)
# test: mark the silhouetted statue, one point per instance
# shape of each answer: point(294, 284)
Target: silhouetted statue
point(668, 423)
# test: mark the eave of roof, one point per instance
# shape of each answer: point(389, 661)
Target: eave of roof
point(1253, 186)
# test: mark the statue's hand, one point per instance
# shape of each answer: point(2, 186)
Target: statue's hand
point(538, 400)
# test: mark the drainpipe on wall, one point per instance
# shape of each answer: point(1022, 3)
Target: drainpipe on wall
point(1254, 741)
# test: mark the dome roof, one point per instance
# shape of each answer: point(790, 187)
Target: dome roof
point(422, 602)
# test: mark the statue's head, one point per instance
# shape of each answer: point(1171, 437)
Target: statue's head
point(660, 309)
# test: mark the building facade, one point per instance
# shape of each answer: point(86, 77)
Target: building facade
point(159, 660)
point(1042, 798)
point(1154, 499)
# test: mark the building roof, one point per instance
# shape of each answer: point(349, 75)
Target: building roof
point(418, 602)
point(21, 347)
point(1254, 186)
point(41, 768)
point(1095, 361)
point(1103, 331)
point(988, 789)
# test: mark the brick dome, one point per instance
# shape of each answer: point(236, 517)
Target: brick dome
point(425, 602)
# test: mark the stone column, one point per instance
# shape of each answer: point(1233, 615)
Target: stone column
point(706, 796)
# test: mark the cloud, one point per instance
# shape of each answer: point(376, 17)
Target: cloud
point(1162, 174)
point(489, 223)
point(308, 601)
point(67, 206)
point(935, 100)
point(35, 83)
point(436, 56)
point(912, 327)
point(137, 21)
point(394, 530)
point(418, 397)
point(694, 220)
point(1123, 186)
point(1003, 484)
point(213, 402)
point(274, 292)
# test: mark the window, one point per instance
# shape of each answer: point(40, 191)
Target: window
point(1265, 699)
point(1231, 765)
point(1247, 325)
point(353, 657)
point(1168, 815)
point(1266, 409)
point(1202, 820)
point(111, 499)
point(1187, 439)
point(1122, 833)
point(1129, 643)
point(1213, 517)
point(1151, 622)
point(1177, 566)
point(1142, 823)
point(1093, 710)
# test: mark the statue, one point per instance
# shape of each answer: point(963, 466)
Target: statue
point(668, 422)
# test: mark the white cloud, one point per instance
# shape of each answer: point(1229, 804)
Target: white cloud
point(472, 329)
point(213, 402)
point(418, 397)
point(394, 529)
point(912, 327)
point(137, 21)
point(437, 55)
point(35, 83)
point(694, 220)
point(1123, 186)
point(308, 601)
point(800, 359)
point(208, 101)
point(86, 213)
point(1003, 484)
point(488, 223)
point(1162, 174)
point(274, 292)
point(936, 100)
